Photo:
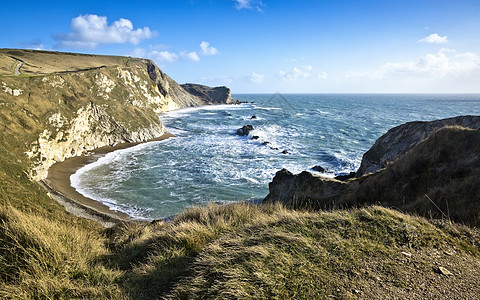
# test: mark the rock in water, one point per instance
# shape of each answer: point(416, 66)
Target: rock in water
point(245, 130)
point(319, 169)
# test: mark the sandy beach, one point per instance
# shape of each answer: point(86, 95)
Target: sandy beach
point(59, 186)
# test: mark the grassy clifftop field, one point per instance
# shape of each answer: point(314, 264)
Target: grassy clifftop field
point(235, 251)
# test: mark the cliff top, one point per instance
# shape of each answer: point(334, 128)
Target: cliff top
point(35, 62)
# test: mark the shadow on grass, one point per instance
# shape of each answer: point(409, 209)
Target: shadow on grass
point(151, 267)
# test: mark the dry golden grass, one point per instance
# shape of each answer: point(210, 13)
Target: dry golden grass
point(7, 64)
point(43, 258)
point(236, 251)
point(47, 62)
point(310, 255)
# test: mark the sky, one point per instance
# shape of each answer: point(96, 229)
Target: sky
point(268, 46)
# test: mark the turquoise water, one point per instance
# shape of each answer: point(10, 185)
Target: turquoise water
point(208, 162)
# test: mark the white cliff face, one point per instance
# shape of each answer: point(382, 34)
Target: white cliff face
point(66, 114)
point(150, 95)
point(9, 90)
point(105, 85)
point(91, 128)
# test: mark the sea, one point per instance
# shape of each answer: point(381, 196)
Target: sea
point(208, 162)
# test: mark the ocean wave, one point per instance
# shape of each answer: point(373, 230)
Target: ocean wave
point(178, 113)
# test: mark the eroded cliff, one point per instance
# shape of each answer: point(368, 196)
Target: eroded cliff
point(65, 104)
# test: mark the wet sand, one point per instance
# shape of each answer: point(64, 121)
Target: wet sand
point(59, 186)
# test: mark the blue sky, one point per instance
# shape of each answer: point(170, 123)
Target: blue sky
point(304, 46)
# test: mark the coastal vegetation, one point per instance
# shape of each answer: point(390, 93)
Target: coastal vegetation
point(233, 251)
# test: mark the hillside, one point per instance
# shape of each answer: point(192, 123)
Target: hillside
point(436, 176)
point(62, 104)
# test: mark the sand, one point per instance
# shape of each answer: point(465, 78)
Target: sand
point(59, 186)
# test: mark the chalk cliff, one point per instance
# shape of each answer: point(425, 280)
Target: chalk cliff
point(65, 104)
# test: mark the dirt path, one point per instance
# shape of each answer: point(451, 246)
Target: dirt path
point(17, 69)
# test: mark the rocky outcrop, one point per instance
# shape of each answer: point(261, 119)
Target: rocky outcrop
point(305, 190)
point(76, 103)
point(175, 95)
point(398, 140)
point(439, 177)
point(216, 95)
point(319, 169)
point(245, 130)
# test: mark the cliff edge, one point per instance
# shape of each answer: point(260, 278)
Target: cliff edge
point(438, 176)
point(399, 140)
point(57, 105)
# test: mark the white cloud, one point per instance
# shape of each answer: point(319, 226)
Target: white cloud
point(444, 71)
point(249, 4)
point(434, 38)
point(89, 31)
point(241, 4)
point(207, 49)
point(163, 56)
point(138, 52)
point(322, 75)
point(190, 55)
point(256, 78)
point(294, 74)
point(303, 72)
point(446, 62)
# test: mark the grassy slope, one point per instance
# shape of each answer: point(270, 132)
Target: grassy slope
point(47, 62)
point(235, 251)
point(440, 176)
